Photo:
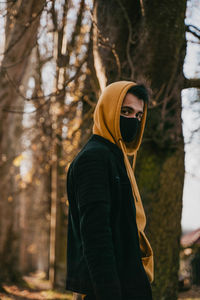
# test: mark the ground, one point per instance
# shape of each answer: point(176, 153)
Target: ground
point(192, 294)
point(37, 288)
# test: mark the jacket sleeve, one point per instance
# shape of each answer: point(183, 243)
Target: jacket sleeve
point(93, 199)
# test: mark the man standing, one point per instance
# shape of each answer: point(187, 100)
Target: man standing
point(108, 254)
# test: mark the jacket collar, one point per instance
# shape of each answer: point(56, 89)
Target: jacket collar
point(113, 147)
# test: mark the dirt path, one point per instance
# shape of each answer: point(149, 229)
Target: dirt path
point(37, 288)
point(193, 293)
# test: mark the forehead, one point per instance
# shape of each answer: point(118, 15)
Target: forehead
point(133, 101)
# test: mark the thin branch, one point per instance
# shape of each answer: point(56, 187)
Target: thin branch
point(77, 71)
point(168, 93)
point(7, 12)
point(85, 117)
point(25, 55)
point(14, 85)
point(194, 42)
point(158, 94)
point(191, 83)
point(196, 28)
point(26, 27)
point(192, 32)
point(54, 17)
point(105, 43)
point(88, 101)
point(56, 94)
point(130, 34)
point(192, 175)
point(77, 28)
point(7, 1)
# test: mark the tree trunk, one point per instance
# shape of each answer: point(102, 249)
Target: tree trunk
point(34, 199)
point(146, 41)
point(20, 40)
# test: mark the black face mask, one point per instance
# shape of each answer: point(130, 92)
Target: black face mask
point(128, 127)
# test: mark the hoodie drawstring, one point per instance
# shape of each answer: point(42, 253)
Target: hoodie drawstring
point(140, 214)
point(134, 161)
point(140, 217)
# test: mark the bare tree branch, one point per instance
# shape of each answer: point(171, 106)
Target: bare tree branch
point(193, 42)
point(56, 94)
point(22, 33)
point(8, 66)
point(104, 42)
point(195, 27)
point(129, 38)
point(77, 27)
point(197, 35)
point(191, 83)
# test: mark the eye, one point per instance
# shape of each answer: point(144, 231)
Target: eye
point(139, 116)
point(125, 111)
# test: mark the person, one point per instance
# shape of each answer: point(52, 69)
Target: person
point(108, 254)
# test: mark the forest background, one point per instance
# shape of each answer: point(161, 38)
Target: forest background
point(56, 58)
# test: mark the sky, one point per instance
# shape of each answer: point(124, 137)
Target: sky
point(191, 121)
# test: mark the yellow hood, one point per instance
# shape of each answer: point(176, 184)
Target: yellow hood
point(107, 125)
point(107, 115)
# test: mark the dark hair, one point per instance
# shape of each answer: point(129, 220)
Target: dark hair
point(140, 91)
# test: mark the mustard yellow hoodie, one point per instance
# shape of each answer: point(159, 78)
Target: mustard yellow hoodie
point(107, 125)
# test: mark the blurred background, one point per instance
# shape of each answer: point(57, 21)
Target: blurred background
point(56, 56)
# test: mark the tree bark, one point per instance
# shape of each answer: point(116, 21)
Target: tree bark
point(34, 199)
point(145, 41)
point(20, 40)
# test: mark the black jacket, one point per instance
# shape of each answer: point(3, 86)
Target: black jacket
point(103, 253)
